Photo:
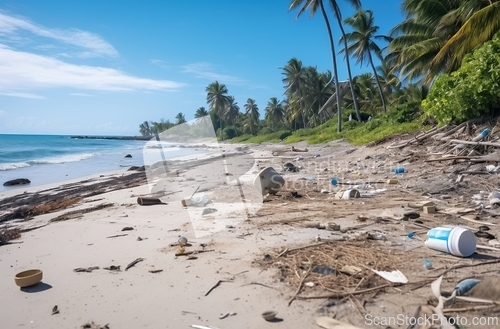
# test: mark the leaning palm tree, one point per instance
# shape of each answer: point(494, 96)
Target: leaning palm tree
point(362, 44)
point(313, 5)
point(275, 113)
point(232, 110)
point(252, 111)
point(218, 99)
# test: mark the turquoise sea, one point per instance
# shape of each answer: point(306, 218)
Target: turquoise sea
point(47, 159)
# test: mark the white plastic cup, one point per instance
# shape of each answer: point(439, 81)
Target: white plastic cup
point(457, 241)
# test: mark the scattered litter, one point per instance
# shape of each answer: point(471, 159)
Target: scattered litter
point(324, 270)
point(457, 241)
point(88, 269)
point(399, 170)
point(427, 263)
point(183, 241)
point(202, 327)
point(376, 236)
point(208, 211)
point(113, 268)
point(324, 191)
point(225, 315)
point(350, 269)
point(55, 310)
point(494, 242)
point(155, 271)
point(349, 194)
point(230, 226)
point(138, 260)
point(464, 286)
point(394, 276)
point(268, 181)
point(147, 201)
point(93, 325)
point(392, 181)
point(128, 228)
point(290, 167)
point(269, 315)
point(429, 209)
point(334, 181)
point(411, 235)
point(116, 236)
point(309, 284)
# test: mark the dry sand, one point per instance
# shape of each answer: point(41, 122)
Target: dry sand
point(243, 255)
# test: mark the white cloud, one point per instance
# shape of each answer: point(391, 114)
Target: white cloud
point(81, 94)
point(93, 44)
point(21, 94)
point(161, 63)
point(22, 70)
point(206, 70)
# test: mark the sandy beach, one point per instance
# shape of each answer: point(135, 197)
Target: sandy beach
point(255, 259)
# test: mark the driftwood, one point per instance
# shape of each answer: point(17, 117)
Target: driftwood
point(192, 252)
point(419, 138)
point(133, 263)
point(299, 150)
point(458, 141)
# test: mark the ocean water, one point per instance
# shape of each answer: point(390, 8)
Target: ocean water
point(45, 159)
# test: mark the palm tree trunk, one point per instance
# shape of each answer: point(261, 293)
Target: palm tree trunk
point(378, 82)
point(335, 71)
point(351, 85)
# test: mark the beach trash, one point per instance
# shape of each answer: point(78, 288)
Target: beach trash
point(28, 278)
point(399, 170)
point(147, 201)
point(427, 264)
point(268, 181)
point(392, 181)
point(482, 135)
point(349, 194)
point(457, 241)
point(269, 315)
point(334, 181)
point(464, 286)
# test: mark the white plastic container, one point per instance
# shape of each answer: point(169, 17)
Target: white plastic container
point(457, 241)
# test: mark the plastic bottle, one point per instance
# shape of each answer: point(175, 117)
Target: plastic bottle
point(399, 170)
point(457, 241)
point(334, 181)
point(482, 135)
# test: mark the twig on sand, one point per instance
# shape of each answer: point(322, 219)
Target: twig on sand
point(299, 248)
point(456, 267)
point(133, 263)
point(300, 286)
point(215, 286)
point(468, 309)
point(347, 293)
point(259, 284)
point(116, 236)
point(192, 252)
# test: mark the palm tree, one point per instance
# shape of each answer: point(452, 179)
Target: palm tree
point(275, 113)
point(295, 84)
point(232, 110)
point(313, 6)
point(480, 22)
point(200, 113)
point(180, 118)
point(362, 44)
point(252, 111)
point(218, 99)
point(145, 129)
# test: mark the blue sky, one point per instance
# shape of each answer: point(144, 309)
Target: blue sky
point(103, 67)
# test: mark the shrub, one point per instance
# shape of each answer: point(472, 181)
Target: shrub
point(471, 91)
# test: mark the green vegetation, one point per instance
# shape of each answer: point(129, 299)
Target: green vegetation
point(440, 63)
point(472, 90)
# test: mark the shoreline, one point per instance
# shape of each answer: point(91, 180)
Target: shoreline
point(241, 258)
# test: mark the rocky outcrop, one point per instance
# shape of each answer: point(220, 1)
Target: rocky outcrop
point(17, 181)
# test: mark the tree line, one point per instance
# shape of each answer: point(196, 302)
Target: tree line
point(432, 41)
